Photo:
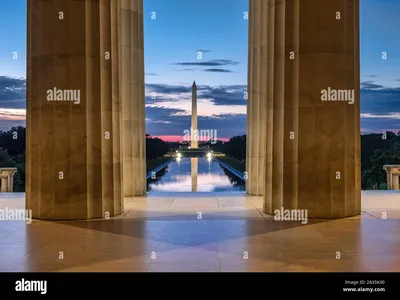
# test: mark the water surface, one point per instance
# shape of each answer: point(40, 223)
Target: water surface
point(195, 175)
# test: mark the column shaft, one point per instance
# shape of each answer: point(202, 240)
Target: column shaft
point(249, 119)
point(116, 105)
point(10, 182)
point(142, 103)
point(11, 189)
point(72, 169)
point(312, 149)
point(396, 182)
point(4, 185)
point(388, 179)
point(255, 140)
point(132, 88)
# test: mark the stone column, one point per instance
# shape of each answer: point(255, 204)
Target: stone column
point(9, 183)
point(395, 182)
point(132, 92)
point(249, 119)
point(256, 87)
point(313, 146)
point(4, 184)
point(388, 178)
point(73, 169)
point(142, 103)
point(11, 180)
point(116, 104)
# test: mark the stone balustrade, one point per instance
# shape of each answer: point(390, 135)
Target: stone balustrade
point(7, 179)
point(392, 176)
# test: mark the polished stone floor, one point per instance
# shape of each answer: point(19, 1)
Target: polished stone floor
point(211, 232)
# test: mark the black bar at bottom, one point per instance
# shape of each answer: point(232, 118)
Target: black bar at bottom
point(139, 285)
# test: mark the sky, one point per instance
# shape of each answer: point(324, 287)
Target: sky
point(177, 30)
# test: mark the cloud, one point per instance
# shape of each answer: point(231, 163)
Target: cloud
point(12, 114)
point(12, 92)
point(203, 50)
point(210, 63)
point(222, 108)
point(205, 107)
point(148, 120)
point(167, 89)
point(150, 74)
point(370, 85)
point(168, 107)
point(224, 95)
point(384, 116)
point(218, 70)
point(372, 76)
point(5, 125)
point(227, 125)
point(380, 108)
point(233, 95)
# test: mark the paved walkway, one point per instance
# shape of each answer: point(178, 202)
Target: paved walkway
point(211, 232)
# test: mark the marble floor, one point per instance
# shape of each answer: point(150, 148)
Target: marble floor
point(212, 232)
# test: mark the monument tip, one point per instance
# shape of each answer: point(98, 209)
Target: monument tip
point(194, 83)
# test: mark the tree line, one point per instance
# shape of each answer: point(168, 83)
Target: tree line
point(12, 154)
point(376, 150)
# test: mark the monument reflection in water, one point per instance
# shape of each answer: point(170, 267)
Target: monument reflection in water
point(195, 175)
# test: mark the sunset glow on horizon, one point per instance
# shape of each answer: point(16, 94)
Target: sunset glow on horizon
point(180, 138)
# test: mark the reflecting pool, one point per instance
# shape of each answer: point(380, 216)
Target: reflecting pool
point(194, 175)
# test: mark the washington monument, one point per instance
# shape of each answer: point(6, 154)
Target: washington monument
point(194, 131)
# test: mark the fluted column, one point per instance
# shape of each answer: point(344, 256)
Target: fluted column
point(256, 114)
point(388, 177)
point(73, 168)
point(4, 184)
point(396, 182)
point(312, 146)
point(11, 180)
point(142, 104)
point(249, 119)
point(116, 104)
point(132, 92)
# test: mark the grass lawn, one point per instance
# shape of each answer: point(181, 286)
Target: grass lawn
point(234, 163)
point(154, 163)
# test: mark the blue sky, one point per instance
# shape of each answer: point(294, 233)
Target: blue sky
point(176, 34)
point(216, 28)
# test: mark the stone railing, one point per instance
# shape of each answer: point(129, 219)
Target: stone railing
point(7, 179)
point(392, 176)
